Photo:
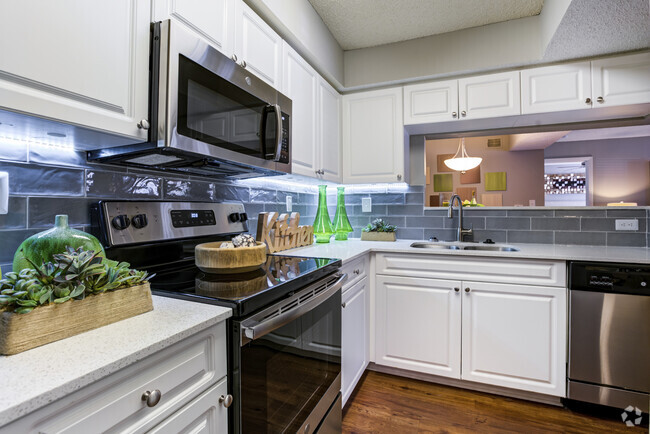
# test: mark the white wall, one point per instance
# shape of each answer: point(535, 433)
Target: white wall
point(299, 24)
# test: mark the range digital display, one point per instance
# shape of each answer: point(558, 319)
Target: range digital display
point(189, 218)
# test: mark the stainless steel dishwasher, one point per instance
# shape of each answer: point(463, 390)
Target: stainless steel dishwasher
point(609, 334)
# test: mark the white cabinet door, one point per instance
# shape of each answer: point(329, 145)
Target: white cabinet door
point(515, 336)
point(257, 47)
point(329, 132)
point(355, 336)
point(431, 102)
point(556, 88)
point(488, 96)
point(86, 63)
point(621, 80)
point(418, 325)
point(211, 19)
point(373, 136)
point(204, 415)
point(300, 83)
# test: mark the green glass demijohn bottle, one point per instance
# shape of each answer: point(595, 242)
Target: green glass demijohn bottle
point(322, 224)
point(342, 226)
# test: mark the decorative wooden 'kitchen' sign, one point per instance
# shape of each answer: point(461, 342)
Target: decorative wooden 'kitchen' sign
point(281, 232)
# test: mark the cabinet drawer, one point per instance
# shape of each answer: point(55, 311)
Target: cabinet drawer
point(471, 268)
point(114, 404)
point(356, 270)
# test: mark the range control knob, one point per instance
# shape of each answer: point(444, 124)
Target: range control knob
point(120, 222)
point(139, 221)
point(243, 217)
point(234, 217)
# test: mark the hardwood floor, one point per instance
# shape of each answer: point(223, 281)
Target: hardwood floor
point(385, 403)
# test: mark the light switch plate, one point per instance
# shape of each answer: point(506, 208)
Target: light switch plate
point(289, 203)
point(4, 192)
point(627, 224)
point(366, 204)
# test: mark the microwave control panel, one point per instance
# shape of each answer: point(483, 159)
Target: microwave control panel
point(284, 153)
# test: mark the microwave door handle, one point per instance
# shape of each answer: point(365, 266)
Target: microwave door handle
point(278, 133)
point(254, 330)
point(265, 113)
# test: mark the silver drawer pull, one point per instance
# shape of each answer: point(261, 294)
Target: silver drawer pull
point(357, 271)
point(343, 305)
point(152, 397)
point(225, 400)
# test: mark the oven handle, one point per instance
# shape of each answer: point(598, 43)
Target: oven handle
point(253, 329)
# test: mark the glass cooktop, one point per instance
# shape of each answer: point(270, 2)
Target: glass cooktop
point(247, 292)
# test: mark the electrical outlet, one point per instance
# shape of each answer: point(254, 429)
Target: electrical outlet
point(289, 203)
point(366, 204)
point(627, 225)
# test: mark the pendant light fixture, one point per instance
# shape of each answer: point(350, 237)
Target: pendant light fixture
point(461, 161)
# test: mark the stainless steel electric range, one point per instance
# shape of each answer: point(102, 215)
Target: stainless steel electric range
point(284, 343)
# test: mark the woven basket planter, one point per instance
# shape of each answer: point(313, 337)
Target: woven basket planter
point(45, 324)
point(378, 236)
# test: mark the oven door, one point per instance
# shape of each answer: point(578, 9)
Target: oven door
point(210, 106)
point(288, 373)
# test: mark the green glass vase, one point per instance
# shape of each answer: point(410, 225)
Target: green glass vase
point(322, 224)
point(342, 226)
point(39, 248)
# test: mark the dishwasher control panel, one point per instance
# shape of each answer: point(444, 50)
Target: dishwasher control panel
point(608, 277)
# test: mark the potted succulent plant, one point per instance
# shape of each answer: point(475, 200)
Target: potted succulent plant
point(76, 292)
point(379, 230)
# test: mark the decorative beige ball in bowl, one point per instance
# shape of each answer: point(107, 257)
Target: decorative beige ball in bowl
point(212, 258)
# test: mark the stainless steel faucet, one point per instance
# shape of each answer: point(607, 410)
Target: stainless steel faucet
point(460, 231)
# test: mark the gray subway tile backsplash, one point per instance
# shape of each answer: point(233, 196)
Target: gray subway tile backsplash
point(36, 180)
point(555, 224)
point(581, 238)
point(42, 211)
point(536, 237)
point(17, 217)
point(519, 223)
point(634, 239)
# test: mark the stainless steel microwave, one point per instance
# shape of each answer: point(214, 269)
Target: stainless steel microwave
point(208, 115)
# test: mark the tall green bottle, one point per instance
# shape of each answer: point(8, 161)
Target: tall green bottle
point(342, 226)
point(322, 224)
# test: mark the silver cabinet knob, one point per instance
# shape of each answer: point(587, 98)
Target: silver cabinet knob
point(463, 113)
point(343, 305)
point(467, 289)
point(143, 124)
point(225, 400)
point(234, 57)
point(399, 177)
point(454, 114)
point(357, 271)
point(457, 289)
point(600, 99)
point(588, 101)
point(243, 64)
point(152, 397)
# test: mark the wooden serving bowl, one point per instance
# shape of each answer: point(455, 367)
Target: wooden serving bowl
point(211, 258)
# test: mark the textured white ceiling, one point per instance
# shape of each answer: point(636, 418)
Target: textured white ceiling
point(367, 23)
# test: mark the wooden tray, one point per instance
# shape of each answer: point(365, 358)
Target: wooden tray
point(378, 236)
point(50, 323)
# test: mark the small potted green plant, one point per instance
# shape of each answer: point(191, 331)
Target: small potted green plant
point(77, 291)
point(379, 230)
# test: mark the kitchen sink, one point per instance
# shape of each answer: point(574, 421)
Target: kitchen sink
point(432, 245)
point(492, 248)
point(484, 247)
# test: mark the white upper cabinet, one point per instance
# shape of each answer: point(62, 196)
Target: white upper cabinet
point(431, 102)
point(487, 96)
point(373, 136)
point(515, 336)
point(301, 84)
point(556, 88)
point(257, 47)
point(329, 132)
point(211, 19)
point(85, 64)
point(621, 80)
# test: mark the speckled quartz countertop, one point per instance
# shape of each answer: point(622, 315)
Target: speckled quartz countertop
point(350, 249)
point(34, 378)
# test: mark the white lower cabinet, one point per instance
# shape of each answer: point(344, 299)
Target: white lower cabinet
point(418, 324)
point(503, 334)
point(205, 416)
point(355, 336)
point(182, 374)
